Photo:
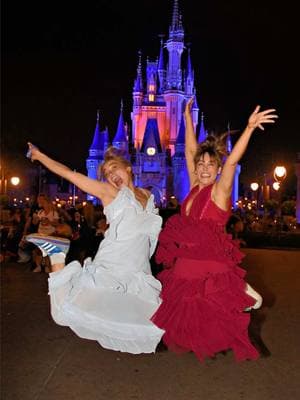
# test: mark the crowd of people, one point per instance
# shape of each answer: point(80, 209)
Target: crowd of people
point(84, 226)
point(199, 301)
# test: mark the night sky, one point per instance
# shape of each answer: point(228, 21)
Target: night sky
point(61, 61)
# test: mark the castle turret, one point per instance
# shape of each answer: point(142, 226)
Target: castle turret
point(202, 132)
point(174, 95)
point(235, 187)
point(120, 140)
point(96, 154)
point(181, 182)
point(161, 69)
point(151, 81)
point(138, 92)
point(175, 46)
point(189, 80)
point(95, 151)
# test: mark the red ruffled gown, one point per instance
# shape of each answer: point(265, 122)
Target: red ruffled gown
point(203, 290)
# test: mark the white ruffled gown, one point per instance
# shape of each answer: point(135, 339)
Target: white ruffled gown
point(112, 298)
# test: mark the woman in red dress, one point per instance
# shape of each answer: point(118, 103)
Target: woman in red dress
point(205, 298)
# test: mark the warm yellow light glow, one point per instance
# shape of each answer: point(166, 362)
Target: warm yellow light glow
point(151, 88)
point(150, 151)
point(151, 97)
point(15, 180)
point(279, 172)
point(254, 186)
point(276, 185)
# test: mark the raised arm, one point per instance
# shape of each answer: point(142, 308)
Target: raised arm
point(190, 142)
point(223, 187)
point(104, 191)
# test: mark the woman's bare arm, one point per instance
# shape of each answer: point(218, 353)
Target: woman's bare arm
point(104, 191)
point(190, 142)
point(223, 187)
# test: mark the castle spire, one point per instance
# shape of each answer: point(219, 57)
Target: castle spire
point(175, 46)
point(175, 17)
point(120, 140)
point(96, 148)
point(189, 79)
point(202, 131)
point(228, 140)
point(138, 83)
point(189, 69)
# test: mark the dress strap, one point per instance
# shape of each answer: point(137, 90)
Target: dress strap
point(206, 204)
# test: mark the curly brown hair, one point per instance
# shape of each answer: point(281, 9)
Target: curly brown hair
point(213, 145)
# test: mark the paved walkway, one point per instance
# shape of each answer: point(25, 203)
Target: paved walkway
point(43, 361)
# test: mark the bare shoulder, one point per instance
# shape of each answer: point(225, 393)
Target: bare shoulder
point(145, 192)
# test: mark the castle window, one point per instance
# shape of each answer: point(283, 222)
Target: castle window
point(151, 97)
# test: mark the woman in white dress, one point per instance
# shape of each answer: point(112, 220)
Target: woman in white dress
point(112, 298)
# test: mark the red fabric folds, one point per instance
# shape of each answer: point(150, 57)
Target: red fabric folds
point(199, 239)
point(203, 290)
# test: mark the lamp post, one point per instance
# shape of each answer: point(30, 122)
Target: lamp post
point(4, 181)
point(254, 187)
point(279, 173)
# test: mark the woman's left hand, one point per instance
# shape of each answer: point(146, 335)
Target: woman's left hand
point(257, 118)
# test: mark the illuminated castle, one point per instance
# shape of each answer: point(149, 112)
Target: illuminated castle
point(156, 144)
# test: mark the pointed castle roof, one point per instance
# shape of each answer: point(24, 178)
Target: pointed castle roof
point(228, 140)
point(202, 132)
point(96, 148)
point(138, 83)
point(121, 135)
point(161, 64)
point(151, 136)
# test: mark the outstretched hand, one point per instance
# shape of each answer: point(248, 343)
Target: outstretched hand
point(188, 106)
point(32, 152)
point(257, 118)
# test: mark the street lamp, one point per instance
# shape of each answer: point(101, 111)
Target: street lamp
point(276, 186)
point(15, 180)
point(279, 173)
point(254, 186)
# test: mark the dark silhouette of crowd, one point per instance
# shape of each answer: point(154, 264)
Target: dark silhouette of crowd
point(83, 225)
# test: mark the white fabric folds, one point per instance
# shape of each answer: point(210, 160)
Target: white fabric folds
point(112, 298)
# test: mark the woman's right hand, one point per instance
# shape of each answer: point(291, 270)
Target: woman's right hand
point(33, 152)
point(188, 106)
